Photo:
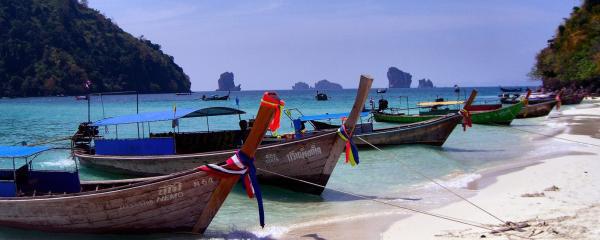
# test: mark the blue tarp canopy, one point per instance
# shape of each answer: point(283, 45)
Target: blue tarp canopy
point(330, 116)
point(20, 151)
point(168, 115)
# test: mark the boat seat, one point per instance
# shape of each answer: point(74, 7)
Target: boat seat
point(43, 181)
point(8, 188)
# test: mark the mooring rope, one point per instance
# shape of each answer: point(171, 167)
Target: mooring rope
point(441, 216)
point(435, 182)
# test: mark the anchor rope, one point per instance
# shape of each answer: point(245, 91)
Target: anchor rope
point(435, 182)
point(436, 215)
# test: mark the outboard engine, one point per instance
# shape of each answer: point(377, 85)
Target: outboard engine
point(383, 105)
point(84, 135)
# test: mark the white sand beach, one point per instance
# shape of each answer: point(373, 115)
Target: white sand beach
point(559, 198)
point(557, 195)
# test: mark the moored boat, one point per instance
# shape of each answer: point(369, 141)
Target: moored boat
point(432, 132)
point(480, 114)
point(502, 116)
point(311, 158)
point(58, 201)
point(537, 110)
point(572, 99)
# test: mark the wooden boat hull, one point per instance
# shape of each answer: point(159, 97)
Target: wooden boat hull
point(398, 118)
point(499, 116)
point(572, 99)
point(172, 203)
point(433, 132)
point(536, 110)
point(502, 116)
point(309, 159)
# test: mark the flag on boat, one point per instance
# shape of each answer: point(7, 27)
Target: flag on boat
point(242, 165)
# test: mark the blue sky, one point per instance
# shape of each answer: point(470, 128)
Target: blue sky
point(271, 44)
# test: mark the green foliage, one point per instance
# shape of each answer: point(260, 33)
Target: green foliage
point(50, 47)
point(573, 55)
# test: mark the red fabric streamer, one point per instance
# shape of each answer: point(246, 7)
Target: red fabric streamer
point(272, 102)
point(466, 122)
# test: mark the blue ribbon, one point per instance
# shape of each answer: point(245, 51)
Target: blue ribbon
point(249, 163)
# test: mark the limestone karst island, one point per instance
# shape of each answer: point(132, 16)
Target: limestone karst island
point(307, 120)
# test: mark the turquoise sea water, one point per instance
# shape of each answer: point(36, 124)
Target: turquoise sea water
point(380, 174)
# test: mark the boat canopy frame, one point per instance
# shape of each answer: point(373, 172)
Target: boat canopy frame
point(29, 153)
point(168, 115)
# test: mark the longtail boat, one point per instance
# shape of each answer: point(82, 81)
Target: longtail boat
point(537, 110)
point(310, 158)
point(184, 201)
point(503, 116)
point(572, 99)
point(480, 114)
point(432, 132)
point(435, 110)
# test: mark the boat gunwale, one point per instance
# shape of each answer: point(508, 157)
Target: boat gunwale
point(111, 190)
point(204, 154)
point(411, 126)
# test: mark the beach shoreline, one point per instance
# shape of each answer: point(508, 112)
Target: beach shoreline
point(499, 190)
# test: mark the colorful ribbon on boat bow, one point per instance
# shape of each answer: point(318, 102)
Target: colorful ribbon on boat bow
point(267, 100)
point(466, 116)
point(241, 164)
point(351, 150)
point(558, 101)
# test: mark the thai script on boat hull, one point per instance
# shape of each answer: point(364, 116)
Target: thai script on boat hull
point(304, 153)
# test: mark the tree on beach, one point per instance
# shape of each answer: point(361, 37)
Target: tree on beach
point(50, 47)
point(572, 57)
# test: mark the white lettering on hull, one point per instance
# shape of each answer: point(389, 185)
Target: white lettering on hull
point(303, 153)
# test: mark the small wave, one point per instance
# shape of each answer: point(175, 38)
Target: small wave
point(271, 232)
point(331, 220)
point(61, 163)
point(455, 180)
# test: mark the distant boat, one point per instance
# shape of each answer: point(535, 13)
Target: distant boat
point(216, 97)
point(82, 97)
point(509, 98)
point(321, 96)
point(381, 90)
point(183, 93)
point(511, 89)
